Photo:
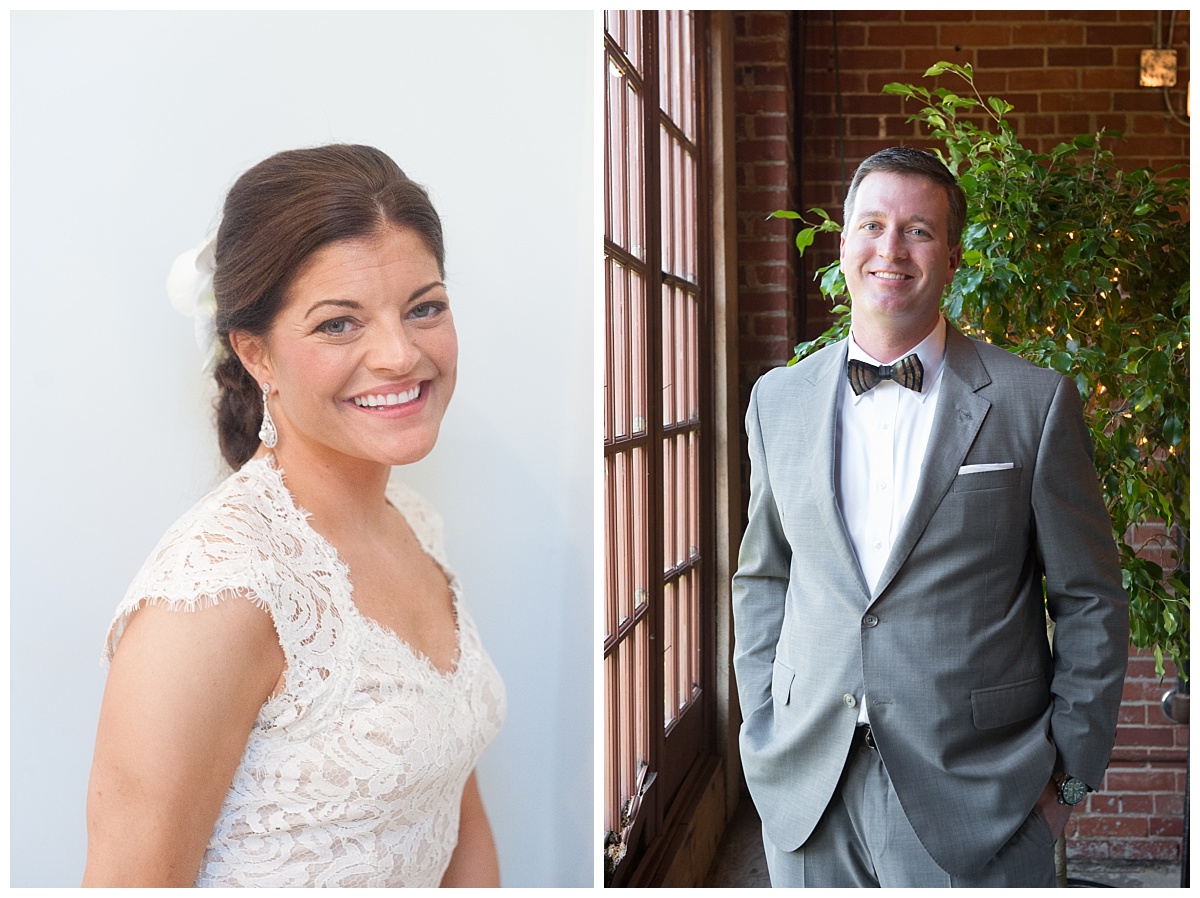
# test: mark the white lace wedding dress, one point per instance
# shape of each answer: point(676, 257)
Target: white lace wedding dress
point(354, 770)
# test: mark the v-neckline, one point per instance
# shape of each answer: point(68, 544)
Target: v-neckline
point(343, 569)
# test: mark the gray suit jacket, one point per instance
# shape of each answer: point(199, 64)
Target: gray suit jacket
point(968, 707)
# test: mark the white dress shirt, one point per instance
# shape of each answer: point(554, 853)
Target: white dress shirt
point(882, 437)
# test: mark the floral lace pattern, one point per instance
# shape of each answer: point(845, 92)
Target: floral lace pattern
point(354, 770)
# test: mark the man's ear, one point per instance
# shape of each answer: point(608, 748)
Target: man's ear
point(252, 350)
point(956, 254)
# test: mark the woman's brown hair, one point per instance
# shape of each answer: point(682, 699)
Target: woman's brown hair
point(278, 214)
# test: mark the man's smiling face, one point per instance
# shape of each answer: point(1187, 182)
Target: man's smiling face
point(895, 253)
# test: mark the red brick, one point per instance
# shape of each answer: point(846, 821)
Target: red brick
point(771, 149)
point(767, 100)
point(1136, 803)
point(1062, 34)
point(1145, 736)
point(752, 302)
point(1166, 826)
point(1140, 666)
point(1140, 781)
point(1009, 15)
point(1144, 101)
point(765, 77)
point(1044, 79)
point(869, 16)
point(769, 275)
point(937, 16)
point(888, 35)
point(1168, 805)
point(766, 24)
point(1079, 15)
point(1101, 803)
point(1073, 101)
point(771, 324)
point(765, 126)
point(1105, 78)
point(973, 36)
point(1114, 35)
point(1079, 56)
point(1014, 58)
point(1131, 715)
point(765, 199)
point(1127, 827)
point(874, 59)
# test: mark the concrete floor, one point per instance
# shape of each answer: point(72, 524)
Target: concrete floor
point(740, 862)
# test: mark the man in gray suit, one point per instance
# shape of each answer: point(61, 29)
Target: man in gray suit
point(912, 491)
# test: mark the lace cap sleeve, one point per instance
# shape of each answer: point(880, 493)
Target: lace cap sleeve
point(210, 555)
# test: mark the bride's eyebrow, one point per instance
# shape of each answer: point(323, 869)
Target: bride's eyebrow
point(417, 294)
point(354, 305)
point(339, 303)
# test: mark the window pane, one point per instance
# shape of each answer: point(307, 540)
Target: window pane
point(625, 27)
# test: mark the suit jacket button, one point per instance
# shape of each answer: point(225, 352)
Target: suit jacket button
point(871, 620)
point(849, 700)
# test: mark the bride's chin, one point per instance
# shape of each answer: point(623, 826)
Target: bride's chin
point(408, 454)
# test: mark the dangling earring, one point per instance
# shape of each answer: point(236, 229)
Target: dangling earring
point(267, 433)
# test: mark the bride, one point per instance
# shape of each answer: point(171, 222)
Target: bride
point(297, 695)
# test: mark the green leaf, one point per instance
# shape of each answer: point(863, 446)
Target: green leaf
point(1000, 107)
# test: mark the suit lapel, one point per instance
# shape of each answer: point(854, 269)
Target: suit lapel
point(826, 380)
point(959, 415)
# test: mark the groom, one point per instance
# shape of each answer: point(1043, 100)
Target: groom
point(912, 492)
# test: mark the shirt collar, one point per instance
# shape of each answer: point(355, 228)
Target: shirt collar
point(931, 351)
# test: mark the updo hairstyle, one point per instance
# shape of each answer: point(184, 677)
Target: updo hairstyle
point(276, 216)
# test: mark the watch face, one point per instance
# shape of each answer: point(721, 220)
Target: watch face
point(1073, 790)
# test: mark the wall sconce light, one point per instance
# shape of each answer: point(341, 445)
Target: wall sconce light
point(1158, 68)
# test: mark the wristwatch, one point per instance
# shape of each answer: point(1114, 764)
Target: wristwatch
point(1071, 790)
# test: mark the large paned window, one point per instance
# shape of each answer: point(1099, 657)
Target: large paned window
point(657, 458)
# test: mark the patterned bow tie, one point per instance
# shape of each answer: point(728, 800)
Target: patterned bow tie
point(908, 372)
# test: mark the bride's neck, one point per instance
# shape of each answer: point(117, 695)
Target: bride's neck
point(341, 494)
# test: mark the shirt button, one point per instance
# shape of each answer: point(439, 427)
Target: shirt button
point(871, 620)
point(849, 700)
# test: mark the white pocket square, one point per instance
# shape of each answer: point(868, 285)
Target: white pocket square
point(975, 469)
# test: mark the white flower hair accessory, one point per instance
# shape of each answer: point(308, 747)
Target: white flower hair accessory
point(190, 288)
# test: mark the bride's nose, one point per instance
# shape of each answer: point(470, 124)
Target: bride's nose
point(392, 349)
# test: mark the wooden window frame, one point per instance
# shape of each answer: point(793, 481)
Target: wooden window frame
point(639, 802)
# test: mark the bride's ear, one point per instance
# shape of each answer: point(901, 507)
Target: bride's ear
point(252, 350)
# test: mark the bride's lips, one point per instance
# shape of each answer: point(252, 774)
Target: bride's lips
point(391, 400)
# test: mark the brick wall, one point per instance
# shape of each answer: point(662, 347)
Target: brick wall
point(1067, 73)
point(1138, 814)
point(766, 174)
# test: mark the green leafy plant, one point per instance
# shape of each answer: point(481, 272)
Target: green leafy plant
point(1081, 267)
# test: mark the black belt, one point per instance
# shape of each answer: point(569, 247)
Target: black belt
point(864, 737)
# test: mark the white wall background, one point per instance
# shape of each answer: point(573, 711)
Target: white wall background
point(127, 129)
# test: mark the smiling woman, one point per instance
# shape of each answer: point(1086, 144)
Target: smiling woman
point(362, 358)
point(297, 695)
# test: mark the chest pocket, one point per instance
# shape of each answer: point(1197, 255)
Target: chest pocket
point(987, 480)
